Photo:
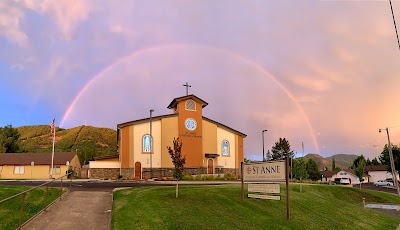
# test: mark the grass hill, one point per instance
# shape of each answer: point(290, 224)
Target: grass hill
point(88, 141)
point(222, 207)
point(343, 161)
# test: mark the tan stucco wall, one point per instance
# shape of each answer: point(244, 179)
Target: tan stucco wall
point(103, 164)
point(226, 161)
point(209, 140)
point(75, 162)
point(169, 127)
point(239, 151)
point(31, 172)
point(139, 131)
point(125, 146)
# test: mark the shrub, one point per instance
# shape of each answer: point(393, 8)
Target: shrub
point(187, 177)
point(229, 177)
point(198, 177)
point(209, 177)
point(219, 177)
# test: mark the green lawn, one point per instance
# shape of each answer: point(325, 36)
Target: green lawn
point(221, 207)
point(34, 202)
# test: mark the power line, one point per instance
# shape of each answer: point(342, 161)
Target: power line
point(394, 21)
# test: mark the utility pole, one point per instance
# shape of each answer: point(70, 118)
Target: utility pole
point(263, 144)
point(392, 161)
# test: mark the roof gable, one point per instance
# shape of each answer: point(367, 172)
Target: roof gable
point(224, 126)
point(376, 168)
point(37, 158)
point(145, 120)
point(175, 101)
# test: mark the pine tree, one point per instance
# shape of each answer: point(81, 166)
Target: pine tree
point(281, 149)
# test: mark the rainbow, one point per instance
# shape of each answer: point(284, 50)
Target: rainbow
point(248, 61)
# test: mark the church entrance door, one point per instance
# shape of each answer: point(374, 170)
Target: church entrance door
point(138, 170)
point(210, 166)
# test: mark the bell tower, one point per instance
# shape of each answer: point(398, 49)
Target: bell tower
point(190, 127)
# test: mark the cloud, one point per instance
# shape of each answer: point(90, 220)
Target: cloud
point(67, 14)
point(10, 23)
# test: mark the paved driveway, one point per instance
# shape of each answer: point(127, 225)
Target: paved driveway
point(76, 210)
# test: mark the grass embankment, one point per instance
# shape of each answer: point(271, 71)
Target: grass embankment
point(34, 202)
point(221, 207)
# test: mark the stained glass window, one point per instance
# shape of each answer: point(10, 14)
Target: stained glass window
point(225, 147)
point(147, 144)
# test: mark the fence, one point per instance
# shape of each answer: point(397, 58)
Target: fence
point(24, 193)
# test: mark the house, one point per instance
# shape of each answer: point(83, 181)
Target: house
point(379, 172)
point(210, 147)
point(331, 176)
point(37, 165)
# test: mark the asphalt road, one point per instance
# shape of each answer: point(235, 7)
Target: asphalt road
point(371, 186)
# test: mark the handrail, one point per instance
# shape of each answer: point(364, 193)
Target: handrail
point(23, 194)
point(19, 194)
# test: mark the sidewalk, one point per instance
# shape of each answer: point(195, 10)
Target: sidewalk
point(76, 210)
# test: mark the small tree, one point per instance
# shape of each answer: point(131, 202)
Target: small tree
point(299, 169)
point(312, 170)
point(334, 165)
point(359, 170)
point(178, 160)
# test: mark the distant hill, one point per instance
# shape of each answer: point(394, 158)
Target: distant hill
point(343, 161)
point(88, 141)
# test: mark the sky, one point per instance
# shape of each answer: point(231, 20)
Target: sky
point(322, 73)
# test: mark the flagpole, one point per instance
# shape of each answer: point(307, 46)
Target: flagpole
point(52, 154)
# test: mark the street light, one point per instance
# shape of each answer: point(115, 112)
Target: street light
point(391, 160)
point(151, 144)
point(263, 143)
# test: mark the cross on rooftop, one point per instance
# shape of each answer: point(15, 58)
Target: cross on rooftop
point(187, 88)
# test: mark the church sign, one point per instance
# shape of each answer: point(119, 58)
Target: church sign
point(264, 188)
point(266, 171)
point(262, 173)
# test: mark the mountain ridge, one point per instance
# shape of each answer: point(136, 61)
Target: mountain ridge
point(342, 161)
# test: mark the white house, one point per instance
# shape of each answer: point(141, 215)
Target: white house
point(379, 172)
point(345, 173)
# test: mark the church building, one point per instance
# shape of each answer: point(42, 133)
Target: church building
point(210, 147)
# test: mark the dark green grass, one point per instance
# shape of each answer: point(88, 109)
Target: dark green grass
point(222, 207)
point(34, 202)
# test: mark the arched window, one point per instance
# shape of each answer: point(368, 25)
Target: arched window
point(190, 105)
point(225, 148)
point(147, 144)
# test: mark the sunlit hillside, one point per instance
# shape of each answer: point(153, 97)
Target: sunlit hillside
point(88, 141)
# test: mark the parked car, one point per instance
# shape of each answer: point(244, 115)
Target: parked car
point(345, 181)
point(383, 183)
point(390, 180)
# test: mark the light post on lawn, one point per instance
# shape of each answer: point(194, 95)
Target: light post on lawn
point(263, 143)
point(391, 161)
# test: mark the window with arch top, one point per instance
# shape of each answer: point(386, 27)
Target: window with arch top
point(225, 148)
point(147, 144)
point(190, 105)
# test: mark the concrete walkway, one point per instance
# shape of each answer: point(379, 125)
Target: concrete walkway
point(76, 210)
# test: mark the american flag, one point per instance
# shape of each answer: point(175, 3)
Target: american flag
point(52, 125)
